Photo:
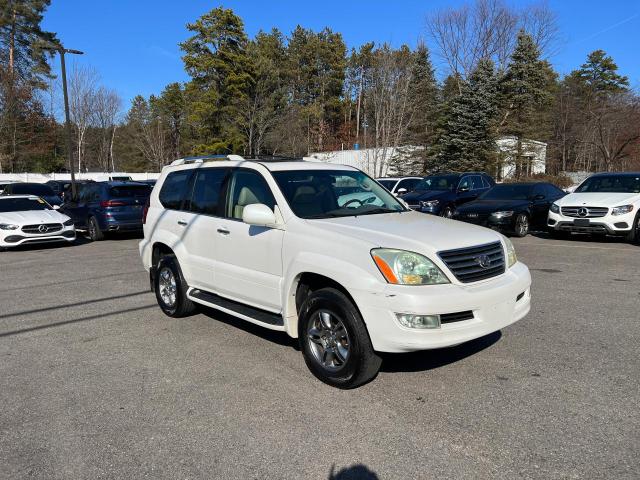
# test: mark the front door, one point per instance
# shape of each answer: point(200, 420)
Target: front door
point(248, 257)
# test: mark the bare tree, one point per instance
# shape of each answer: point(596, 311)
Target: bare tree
point(106, 107)
point(82, 105)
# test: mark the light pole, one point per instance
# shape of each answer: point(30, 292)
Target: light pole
point(67, 122)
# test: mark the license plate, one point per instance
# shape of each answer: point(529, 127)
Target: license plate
point(581, 222)
point(472, 215)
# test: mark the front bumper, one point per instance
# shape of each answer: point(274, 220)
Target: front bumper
point(609, 224)
point(495, 303)
point(14, 239)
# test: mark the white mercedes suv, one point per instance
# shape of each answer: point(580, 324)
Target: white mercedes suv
point(289, 245)
point(29, 219)
point(605, 203)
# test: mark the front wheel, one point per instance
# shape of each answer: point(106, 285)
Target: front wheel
point(447, 212)
point(634, 235)
point(521, 227)
point(334, 340)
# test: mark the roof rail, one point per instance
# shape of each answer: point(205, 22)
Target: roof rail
point(206, 158)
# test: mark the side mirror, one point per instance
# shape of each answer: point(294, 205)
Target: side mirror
point(258, 214)
point(56, 207)
point(401, 191)
point(539, 197)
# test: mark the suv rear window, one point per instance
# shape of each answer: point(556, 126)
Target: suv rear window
point(130, 191)
point(174, 189)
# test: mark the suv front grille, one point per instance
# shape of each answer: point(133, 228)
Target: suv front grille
point(585, 212)
point(42, 228)
point(470, 264)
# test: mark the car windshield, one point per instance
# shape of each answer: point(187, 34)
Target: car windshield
point(334, 193)
point(22, 204)
point(32, 189)
point(508, 192)
point(611, 184)
point(438, 182)
point(130, 191)
point(388, 184)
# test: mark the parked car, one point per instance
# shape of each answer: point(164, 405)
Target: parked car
point(399, 185)
point(441, 194)
point(605, 203)
point(30, 219)
point(103, 207)
point(3, 185)
point(274, 243)
point(38, 189)
point(512, 207)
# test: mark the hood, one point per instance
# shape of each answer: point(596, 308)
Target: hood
point(426, 234)
point(424, 195)
point(33, 216)
point(604, 199)
point(488, 206)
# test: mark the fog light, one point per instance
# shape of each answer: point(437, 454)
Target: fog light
point(418, 321)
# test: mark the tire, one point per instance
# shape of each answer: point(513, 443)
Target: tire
point(331, 329)
point(521, 225)
point(634, 235)
point(95, 232)
point(171, 289)
point(447, 212)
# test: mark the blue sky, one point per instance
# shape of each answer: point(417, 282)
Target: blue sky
point(134, 43)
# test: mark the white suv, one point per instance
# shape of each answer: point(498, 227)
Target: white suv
point(605, 203)
point(286, 245)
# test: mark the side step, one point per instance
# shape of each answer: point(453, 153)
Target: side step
point(240, 308)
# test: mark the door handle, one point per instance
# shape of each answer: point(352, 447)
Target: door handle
point(182, 223)
point(223, 231)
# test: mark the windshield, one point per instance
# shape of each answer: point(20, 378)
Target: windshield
point(438, 182)
point(32, 189)
point(334, 193)
point(22, 204)
point(508, 192)
point(130, 191)
point(611, 184)
point(388, 184)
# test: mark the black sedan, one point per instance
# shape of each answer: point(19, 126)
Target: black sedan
point(512, 207)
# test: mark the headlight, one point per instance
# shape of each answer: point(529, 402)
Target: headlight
point(68, 223)
point(555, 208)
point(622, 210)
point(8, 226)
point(503, 214)
point(511, 253)
point(407, 268)
point(430, 203)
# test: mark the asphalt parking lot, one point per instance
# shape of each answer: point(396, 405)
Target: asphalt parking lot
point(95, 382)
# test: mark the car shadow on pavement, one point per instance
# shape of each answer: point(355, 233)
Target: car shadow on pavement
point(429, 359)
point(32, 247)
point(582, 237)
point(275, 336)
point(354, 472)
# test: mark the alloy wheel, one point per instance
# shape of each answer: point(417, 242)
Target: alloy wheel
point(328, 340)
point(522, 225)
point(167, 287)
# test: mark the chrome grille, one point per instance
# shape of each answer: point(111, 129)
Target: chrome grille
point(465, 263)
point(585, 212)
point(42, 228)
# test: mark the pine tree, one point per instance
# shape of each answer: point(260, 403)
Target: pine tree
point(466, 141)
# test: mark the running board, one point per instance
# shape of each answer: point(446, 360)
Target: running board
point(231, 306)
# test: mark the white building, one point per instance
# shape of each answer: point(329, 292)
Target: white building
point(375, 161)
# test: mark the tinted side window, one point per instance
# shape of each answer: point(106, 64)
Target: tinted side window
point(248, 187)
point(409, 184)
point(207, 191)
point(539, 190)
point(465, 182)
point(553, 191)
point(174, 189)
point(476, 182)
point(485, 182)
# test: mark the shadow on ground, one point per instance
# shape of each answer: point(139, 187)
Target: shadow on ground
point(354, 472)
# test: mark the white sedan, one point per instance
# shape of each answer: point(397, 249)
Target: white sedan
point(29, 219)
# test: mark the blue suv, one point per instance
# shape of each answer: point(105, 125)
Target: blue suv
point(441, 194)
point(103, 207)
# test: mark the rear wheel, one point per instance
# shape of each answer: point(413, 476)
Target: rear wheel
point(521, 226)
point(171, 289)
point(95, 232)
point(334, 340)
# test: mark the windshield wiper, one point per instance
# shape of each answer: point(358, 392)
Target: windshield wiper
point(378, 210)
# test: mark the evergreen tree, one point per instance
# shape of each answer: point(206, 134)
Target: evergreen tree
point(600, 74)
point(466, 141)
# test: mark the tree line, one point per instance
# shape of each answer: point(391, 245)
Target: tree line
point(292, 94)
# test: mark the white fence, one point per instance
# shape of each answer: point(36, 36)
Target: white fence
point(97, 176)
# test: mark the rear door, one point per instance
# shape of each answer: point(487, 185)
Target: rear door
point(249, 258)
point(467, 189)
point(540, 205)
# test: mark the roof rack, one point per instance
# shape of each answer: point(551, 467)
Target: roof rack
point(206, 158)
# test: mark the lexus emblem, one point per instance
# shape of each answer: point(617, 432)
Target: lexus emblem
point(583, 212)
point(43, 229)
point(483, 261)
